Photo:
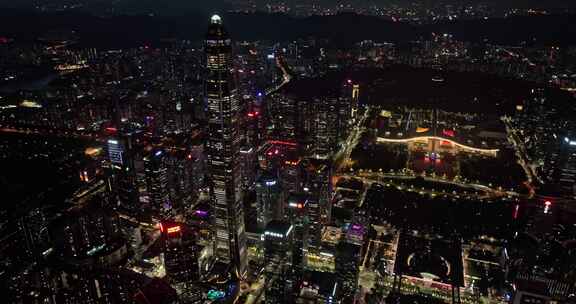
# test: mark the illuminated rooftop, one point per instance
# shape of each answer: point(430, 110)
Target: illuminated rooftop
point(216, 19)
point(331, 235)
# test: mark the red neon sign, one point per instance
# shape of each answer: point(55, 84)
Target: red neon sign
point(449, 133)
point(279, 142)
point(174, 229)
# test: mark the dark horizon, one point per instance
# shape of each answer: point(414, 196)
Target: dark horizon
point(343, 29)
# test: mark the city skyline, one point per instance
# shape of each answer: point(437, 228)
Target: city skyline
point(288, 152)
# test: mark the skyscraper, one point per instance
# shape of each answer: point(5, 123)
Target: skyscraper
point(278, 243)
point(269, 198)
point(157, 180)
point(181, 253)
point(122, 169)
point(223, 147)
point(318, 186)
point(348, 261)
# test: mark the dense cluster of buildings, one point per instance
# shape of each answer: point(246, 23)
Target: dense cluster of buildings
point(212, 173)
point(193, 179)
point(417, 12)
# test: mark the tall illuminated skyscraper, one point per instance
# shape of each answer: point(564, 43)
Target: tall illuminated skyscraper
point(157, 180)
point(223, 147)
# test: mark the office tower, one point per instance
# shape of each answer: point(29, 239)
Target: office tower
point(122, 169)
point(156, 173)
point(198, 165)
point(285, 157)
point(317, 183)
point(200, 220)
point(348, 260)
point(249, 166)
point(115, 151)
point(318, 121)
point(297, 213)
point(278, 239)
point(566, 170)
point(223, 147)
point(180, 165)
point(181, 253)
point(325, 127)
point(255, 123)
point(282, 115)
point(269, 198)
point(350, 99)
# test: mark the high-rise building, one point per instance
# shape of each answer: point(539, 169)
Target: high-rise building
point(223, 147)
point(319, 120)
point(249, 167)
point(122, 169)
point(198, 165)
point(181, 253)
point(156, 173)
point(269, 198)
point(566, 171)
point(180, 165)
point(350, 99)
point(318, 185)
point(285, 157)
point(278, 239)
point(348, 260)
point(297, 213)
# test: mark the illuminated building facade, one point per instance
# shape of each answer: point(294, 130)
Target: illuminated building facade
point(121, 155)
point(324, 128)
point(223, 147)
point(248, 165)
point(317, 183)
point(350, 98)
point(156, 173)
point(198, 166)
point(278, 244)
point(180, 165)
point(282, 116)
point(566, 175)
point(115, 151)
point(318, 124)
point(348, 260)
point(181, 253)
point(269, 198)
point(285, 157)
point(297, 213)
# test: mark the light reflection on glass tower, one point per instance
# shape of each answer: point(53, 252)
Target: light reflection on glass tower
point(223, 147)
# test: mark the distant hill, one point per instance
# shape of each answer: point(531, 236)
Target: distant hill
point(401, 85)
point(122, 31)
